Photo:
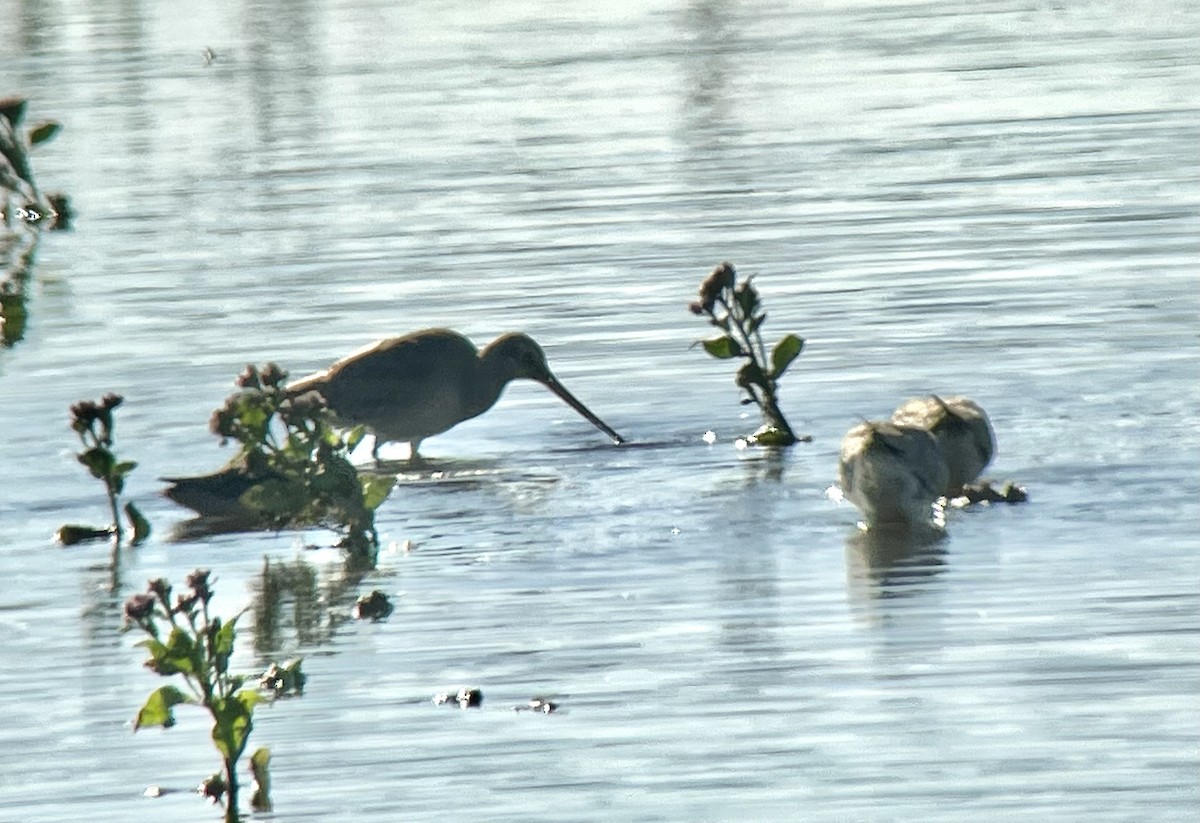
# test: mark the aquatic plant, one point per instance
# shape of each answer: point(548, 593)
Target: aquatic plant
point(735, 309)
point(94, 424)
point(374, 607)
point(24, 211)
point(197, 648)
point(21, 201)
point(299, 461)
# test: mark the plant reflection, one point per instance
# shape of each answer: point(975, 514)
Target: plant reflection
point(767, 467)
point(294, 608)
point(24, 211)
point(17, 254)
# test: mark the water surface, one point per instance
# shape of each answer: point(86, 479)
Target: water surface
point(996, 199)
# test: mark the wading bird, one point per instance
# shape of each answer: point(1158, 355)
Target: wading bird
point(962, 430)
point(893, 474)
point(401, 389)
point(406, 389)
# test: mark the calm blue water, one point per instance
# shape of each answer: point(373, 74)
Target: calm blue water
point(994, 199)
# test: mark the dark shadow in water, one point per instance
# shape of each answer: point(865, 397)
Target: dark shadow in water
point(516, 488)
point(203, 526)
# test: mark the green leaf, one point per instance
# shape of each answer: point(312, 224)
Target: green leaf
point(375, 489)
point(141, 526)
point(249, 698)
point(786, 350)
point(232, 725)
point(259, 760)
point(222, 642)
point(44, 132)
point(260, 800)
point(99, 461)
point(723, 347)
point(750, 375)
point(124, 467)
point(747, 297)
point(157, 710)
point(275, 498)
point(176, 656)
point(353, 438)
point(756, 322)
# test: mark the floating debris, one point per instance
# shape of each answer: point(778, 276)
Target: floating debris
point(284, 680)
point(71, 535)
point(374, 606)
point(466, 698)
point(984, 492)
point(538, 704)
point(214, 788)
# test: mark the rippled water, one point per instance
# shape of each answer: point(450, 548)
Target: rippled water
point(998, 199)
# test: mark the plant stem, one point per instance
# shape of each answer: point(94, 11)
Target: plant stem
point(114, 506)
point(231, 792)
point(756, 351)
point(735, 312)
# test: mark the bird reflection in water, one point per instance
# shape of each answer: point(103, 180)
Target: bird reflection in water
point(884, 561)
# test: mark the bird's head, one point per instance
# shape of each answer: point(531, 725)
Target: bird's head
point(519, 356)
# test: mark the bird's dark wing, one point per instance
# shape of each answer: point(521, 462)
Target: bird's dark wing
point(401, 388)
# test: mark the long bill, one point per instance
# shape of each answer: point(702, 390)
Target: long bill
point(558, 388)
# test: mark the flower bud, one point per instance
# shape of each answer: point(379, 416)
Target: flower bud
point(139, 607)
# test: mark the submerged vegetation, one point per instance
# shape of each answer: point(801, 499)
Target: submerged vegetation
point(197, 647)
point(735, 309)
point(94, 423)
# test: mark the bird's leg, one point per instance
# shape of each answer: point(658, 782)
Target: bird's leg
point(414, 458)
